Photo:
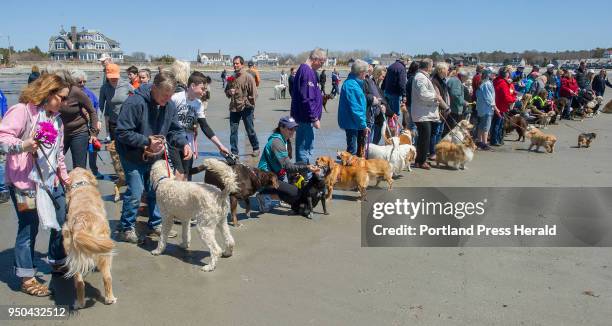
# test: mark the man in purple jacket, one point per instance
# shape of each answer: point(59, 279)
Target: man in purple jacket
point(307, 104)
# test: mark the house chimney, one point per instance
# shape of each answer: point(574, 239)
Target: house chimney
point(73, 34)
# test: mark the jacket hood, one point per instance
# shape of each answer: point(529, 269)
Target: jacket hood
point(144, 91)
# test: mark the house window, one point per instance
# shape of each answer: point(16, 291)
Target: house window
point(60, 45)
point(100, 46)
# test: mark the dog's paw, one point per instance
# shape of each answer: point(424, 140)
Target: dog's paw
point(227, 254)
point(156, 252)
point(110, 300)
point(185, 245)
point(208, 268)
point(80, 305)
point(237, 225)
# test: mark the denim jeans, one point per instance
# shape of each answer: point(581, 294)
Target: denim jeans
point(246, 116)
point(137, 179)
point(436, 135)
point(375, 133)
point(27, 229)
point(77, 144)
point(2, 186)
point(355, 140)
point(394, 102)
point(93, 161)
point(304, 142)
point(497, 130)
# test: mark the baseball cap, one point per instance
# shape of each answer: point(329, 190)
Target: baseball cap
point(550, 65)
point(112, 71)
point(287, 122)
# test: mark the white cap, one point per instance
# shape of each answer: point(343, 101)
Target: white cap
point(104, 56)
point(590, 71)
point(550, 65)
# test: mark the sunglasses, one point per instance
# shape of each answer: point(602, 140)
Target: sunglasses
point(82, 81)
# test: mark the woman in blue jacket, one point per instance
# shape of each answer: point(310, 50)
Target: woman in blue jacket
point(352, 109)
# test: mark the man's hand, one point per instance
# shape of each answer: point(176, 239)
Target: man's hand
point(156, 144)
point(223, 149)
point(317, 124)
point(187, 152)
point(99, 125)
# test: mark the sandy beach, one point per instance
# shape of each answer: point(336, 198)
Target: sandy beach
point(291, 270)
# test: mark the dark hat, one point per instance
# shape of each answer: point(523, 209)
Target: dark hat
point(287, 122)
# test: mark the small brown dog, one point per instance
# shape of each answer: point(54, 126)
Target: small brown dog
point(344, 177)
point(86, 235)
point(518, 123)
point(405, 138)
point(459, 154)
point(585, 139)
point(540, 139)
point(120, 182)
point(377, 168)
point(326, 98)
point(607, 108)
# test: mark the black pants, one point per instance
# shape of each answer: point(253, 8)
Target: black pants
point(453, 119)
point(424, 130)
point(287, 192)
point(177, 162)
point(77, 144)
point(112, 126)
point(93, 161)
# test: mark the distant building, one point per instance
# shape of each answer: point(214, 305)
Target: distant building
point(608, 54)
point(517, 61)
point(387, 59)
point(214, 59)
point(86, 45)
point(330, 62)
point(265, 59)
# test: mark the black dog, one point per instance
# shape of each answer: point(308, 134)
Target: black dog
point(310, 195)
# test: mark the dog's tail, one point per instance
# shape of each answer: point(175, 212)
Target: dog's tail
point(225, 172)
point(197, 169)
point(82, 247)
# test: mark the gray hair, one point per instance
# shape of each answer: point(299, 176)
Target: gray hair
point(359, 66)
point(317, 54)
point(165, 80)
point(61, 71)
point(378, 71)
point(440, 66)
point(181, 71)
point(78, 74)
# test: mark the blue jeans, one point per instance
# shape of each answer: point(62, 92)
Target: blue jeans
point(497, 130)
point(352, 136)
point(375, 133)
point(27, 229)
point(394, 102)
point(304, 142)
point(137, 179)
point(246, 115)
point(2, 186)
point(436, 136)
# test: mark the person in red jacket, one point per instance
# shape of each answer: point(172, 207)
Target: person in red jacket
point(504, 99)
point(569, 89)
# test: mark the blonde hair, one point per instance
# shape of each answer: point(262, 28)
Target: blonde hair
point(378, 71)
point(440, 66)
point(40, 89)
point(181, 71)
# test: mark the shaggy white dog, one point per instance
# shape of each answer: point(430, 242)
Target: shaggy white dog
point(184, 200)
point(277, 91)
point(399, 156)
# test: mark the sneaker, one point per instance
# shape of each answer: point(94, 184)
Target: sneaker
point(157, 231)
point(4, 197)
point(255, 153)
point(128, 236)
point(98, 175)
point(264, 202)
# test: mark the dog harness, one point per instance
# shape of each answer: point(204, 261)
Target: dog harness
point(79, 184)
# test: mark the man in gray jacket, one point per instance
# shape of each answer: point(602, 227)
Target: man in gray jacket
point(112, 95)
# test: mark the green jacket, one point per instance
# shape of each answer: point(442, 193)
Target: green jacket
point(456, 94)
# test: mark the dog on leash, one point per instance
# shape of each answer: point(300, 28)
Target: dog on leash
point(376, 167)
point(278, 90)
point(459, 154)
point(86, 235)
point(518, 123)
point(540, 139)
point(459, 133)
point(311, 194)
point(326, 98)
point(399, 156)
point(208, 204)
point(250, 180)
point(585, 139)
point(544, 119)
point(343, 177)
point(120, 182)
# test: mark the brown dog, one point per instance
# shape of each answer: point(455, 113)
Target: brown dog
point(518, 123)
point(539, 139)
point(120, 182)
point(326, 98)
point(585, 139)
point(87, 235)
point(405, 137)
point(344, 177)
point(459, 154)
point(250, 180)
point(377, 168)
point(607, 108)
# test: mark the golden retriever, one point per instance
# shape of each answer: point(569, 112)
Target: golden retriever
point(86, 235)
point(540, 139)
point(376, 167)
point(344, 177)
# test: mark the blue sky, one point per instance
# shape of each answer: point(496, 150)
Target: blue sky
point(242, 27)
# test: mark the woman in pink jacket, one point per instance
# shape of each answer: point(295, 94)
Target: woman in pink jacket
point(34, 169)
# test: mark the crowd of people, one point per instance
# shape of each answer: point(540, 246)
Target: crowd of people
point(152, 117)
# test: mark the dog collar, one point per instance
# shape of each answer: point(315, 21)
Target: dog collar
point(158, 181)
point(78, 184)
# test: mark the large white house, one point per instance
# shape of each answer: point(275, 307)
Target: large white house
point(214, 59)
point(86, 45)
point(265, 59)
